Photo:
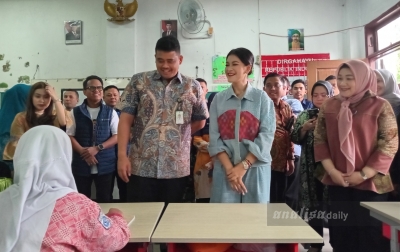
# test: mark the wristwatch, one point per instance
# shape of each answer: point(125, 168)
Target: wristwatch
point(363, 175)
point(100, 147)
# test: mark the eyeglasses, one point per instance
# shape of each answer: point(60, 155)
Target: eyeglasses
point(94, 88)
point(273, 86)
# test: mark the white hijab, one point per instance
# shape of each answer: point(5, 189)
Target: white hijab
point(391, 91)
point(42, 163)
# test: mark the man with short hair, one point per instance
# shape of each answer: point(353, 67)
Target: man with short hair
point(293, 181)
point(332, 79)
point(282, 151)
point(93, 136)
point(111, 96)
point(70, 99)
point(299, 91)
point(165, 107)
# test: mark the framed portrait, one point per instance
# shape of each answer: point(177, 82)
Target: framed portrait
point(73, 32)
point(296, 39)
point(169, 28)
point(81, 96)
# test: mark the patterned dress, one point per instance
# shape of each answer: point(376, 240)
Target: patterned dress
point(237, 127)
point(308, 195)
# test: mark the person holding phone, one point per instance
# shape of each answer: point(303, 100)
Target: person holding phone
point(311, 192)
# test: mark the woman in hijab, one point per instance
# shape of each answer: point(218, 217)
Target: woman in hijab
point(311, 193)
point(14, 102)
point(355, 139)
point(388, 89)
point(46, 213)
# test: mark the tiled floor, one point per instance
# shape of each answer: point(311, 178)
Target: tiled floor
point(327, 247)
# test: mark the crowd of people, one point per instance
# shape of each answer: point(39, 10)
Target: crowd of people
point(323, 149)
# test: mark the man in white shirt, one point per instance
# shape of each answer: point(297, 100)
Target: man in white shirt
point(93, 134)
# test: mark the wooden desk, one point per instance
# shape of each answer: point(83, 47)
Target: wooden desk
point(389, 213)
point(232, 223)
point(146, 217)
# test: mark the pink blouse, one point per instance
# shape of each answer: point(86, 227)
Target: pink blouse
point(77, 224)
point(375, 139)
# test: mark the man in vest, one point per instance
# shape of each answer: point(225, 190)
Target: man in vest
point(164, 107)
point(93, 134)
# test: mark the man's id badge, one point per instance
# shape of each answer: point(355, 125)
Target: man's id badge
point(179, 117)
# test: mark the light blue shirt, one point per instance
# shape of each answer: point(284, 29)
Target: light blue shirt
point(297, 108)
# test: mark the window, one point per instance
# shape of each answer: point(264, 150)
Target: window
point(389, 34)
point(382, 41)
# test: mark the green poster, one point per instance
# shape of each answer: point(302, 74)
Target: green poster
point(218, 65)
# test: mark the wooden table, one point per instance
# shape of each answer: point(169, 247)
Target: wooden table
point(233, 223)
point(146, 218)
point(389, 213)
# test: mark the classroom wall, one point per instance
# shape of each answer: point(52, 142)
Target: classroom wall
point(34, 32)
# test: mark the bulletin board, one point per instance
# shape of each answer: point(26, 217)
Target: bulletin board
point(218, 65)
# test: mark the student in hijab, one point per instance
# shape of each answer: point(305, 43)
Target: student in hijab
point(356, 139)
point(388, 89)
point(45, 211)
point(13, 102)
point(312, 190)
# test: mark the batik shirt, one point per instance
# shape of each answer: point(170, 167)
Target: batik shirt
point(160, 147)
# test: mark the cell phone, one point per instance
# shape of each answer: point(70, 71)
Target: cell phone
point(313, 113)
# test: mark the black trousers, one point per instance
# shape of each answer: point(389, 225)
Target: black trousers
point(359, 232)
point(293, 186)
point(141, 189)
point(103, 184)
point(122, 191)
point(278, 187)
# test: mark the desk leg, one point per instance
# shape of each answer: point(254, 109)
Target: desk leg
point(394, 241)
point(287, 247)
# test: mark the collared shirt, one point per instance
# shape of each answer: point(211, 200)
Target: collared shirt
point(307, 104)
point(282, 147)
point(160, 148)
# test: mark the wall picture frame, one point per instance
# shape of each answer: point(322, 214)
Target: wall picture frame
point(169, 28)
point(73, 32)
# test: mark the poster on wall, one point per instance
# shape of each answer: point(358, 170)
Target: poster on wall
point(289, 65)
point(73, 32)
point(218, 70)
point(169, 28)
point(296, 39)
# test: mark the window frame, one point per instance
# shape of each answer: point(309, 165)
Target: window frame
point(371, 35)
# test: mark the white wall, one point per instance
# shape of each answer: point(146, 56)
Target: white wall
point(361, 12)
point(33, 30)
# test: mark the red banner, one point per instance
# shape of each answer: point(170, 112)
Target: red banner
point(289, 65)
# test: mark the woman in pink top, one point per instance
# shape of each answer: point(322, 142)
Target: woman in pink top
point(356, 140)
point(43, 211)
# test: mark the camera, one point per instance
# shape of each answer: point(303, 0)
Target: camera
point(313, 113)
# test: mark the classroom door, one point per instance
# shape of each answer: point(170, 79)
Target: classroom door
point(319, 70)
